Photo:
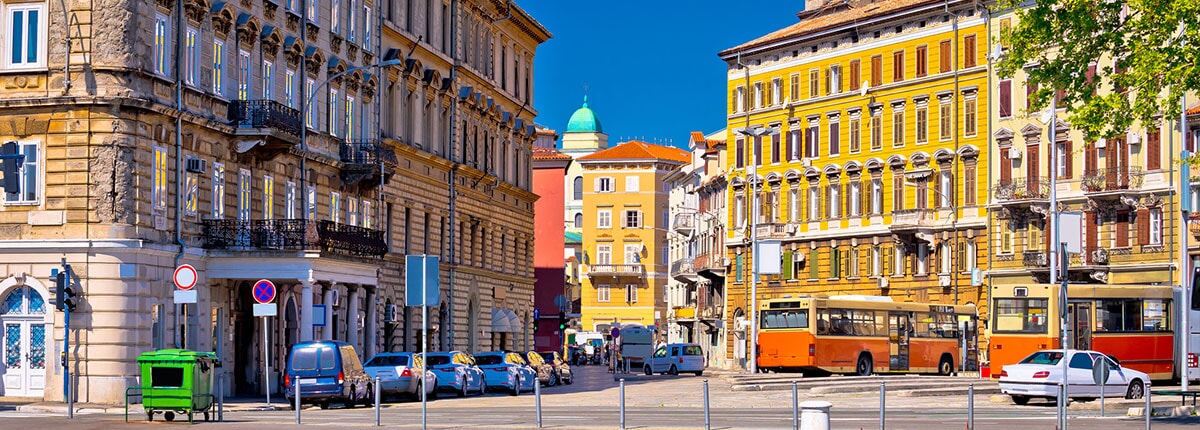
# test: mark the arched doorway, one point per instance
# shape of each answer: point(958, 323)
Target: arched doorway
point(739, 341)
point(473, 324)
point(22, 340)
point(247, 356)
point(291, 324)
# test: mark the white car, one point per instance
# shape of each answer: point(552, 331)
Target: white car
point(676, 357)
point(1040, 374)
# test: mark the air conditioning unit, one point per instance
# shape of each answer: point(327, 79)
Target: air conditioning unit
point(792, 228)
point(1133, 138)
point(1100, 143)
point(197, 165)
point(1014, 153)
point(724, 261)
point(943, 280)
point(806, 162)
point(883, 281)
point(391, 313)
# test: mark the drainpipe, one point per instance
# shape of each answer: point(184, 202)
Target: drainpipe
point(452, 251)
point(179, 36)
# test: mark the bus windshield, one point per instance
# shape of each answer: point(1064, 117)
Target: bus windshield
point(791, 318)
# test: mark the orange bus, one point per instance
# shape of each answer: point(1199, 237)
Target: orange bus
point(863, 335)
point(1132, 324)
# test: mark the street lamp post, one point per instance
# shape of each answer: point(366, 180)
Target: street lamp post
point(754, 134)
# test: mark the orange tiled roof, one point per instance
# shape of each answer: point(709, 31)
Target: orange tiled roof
point(541, 153)
point(697, 136)
point(1194, 110)
point(638, 150)
point(836, 14)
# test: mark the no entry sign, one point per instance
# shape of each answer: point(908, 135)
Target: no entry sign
point(185, 277)
point(264, 291)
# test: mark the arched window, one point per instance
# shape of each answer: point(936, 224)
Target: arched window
point(578, 220)
point(578, 195)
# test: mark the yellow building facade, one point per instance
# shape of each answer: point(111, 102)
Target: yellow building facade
point(875, 181)
point(625, 205)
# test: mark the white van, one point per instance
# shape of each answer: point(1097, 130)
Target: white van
point(676, 357)
point(637, 343)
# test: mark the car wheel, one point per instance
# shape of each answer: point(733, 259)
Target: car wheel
point(863, 368)
point(946, 366)
point(554, 379)
point(570, 379)
point(699, 373)
point(1020, 400)
point(673, 370)
point(482, 386)
point(516, 386)
point(647, 369)
point(325, 405)
point(351, 400)
point(463, 391)
point(433, 394)
point(1137, 390)
point(169, 416)
point(369, 396)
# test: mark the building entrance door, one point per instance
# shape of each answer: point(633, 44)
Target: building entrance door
point(23, 351)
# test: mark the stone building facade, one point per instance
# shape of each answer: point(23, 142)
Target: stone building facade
point(312, 144)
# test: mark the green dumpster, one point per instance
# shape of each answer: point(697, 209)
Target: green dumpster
point(177, 381)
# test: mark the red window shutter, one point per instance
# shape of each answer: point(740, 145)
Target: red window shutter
point(1005, 166)
point(1091, 74)
point(1153, 149)
point(1143, 226)
point(1122, 225)
point(787, 145)
point(1093, 231)
point(1005, 98)
point(1070, 159)
point(969, 51)
point(944, 56)
point(855, 77)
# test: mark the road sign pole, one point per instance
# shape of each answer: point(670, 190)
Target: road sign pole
point(266, 362)
point(424, 339)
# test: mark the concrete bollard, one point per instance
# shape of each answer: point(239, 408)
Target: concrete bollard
point(1149, 408)
point(971, 406)
point(815, 415)
point(220, 399)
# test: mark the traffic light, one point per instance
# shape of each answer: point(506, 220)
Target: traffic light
point(65, 290)
point(10, 166)
point(562, 320)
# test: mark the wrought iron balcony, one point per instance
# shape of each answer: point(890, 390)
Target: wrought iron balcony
point(1117, 179)
point(1034, 259)
point(684, 270)
point(366, 160)
point(615, 270)
point(264, 114)
point(685, 223)
point(1013, 190)
point(292, 234)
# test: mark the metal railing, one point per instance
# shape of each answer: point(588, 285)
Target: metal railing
point(1119, 178)
point(292, 234)
point(913, 218)
point(682, 266)
point(1022, 189)
point(367, 152)
point(616, 270)
point(1034, 259)
point(264, 114)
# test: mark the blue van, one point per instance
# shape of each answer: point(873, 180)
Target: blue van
point(328, 372)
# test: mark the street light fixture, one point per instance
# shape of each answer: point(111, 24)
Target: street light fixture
point(755, 132)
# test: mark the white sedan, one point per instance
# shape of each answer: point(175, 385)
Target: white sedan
point(1040, 374)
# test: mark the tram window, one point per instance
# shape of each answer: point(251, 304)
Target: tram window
point(1021, 316)
point(794, 318)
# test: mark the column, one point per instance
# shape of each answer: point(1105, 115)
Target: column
point(370, 338)
point(306, 311)
point(352, 324)
point(327, 331)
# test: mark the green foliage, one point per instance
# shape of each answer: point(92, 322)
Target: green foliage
point(1155, 42)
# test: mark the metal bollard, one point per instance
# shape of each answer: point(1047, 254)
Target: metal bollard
point(220, 399)
point(622, 398)
point(795, 407)
point(537, 402)
point(1149, 409)
point(377, 396)
point(971, 406)
point(707, 420)
point(882, 404)
point(297, 392)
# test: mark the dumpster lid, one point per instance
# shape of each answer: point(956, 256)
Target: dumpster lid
point(175, 356)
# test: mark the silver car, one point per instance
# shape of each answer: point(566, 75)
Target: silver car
point(396, 371)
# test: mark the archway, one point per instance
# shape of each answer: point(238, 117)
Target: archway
point(739, 341)
point(25, 319)
point(473, 324)
point(291, 323)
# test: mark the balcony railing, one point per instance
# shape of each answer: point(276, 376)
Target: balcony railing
point(1022, 189)
point(682, 266)
point(264, 114)
point(911, 218)
point(685, 223)
point(292, 234)
point(616, 270)
point(1034, 259)
point(1120, 178)
point(367, 152)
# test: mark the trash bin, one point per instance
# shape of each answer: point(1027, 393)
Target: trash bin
point(177, 381)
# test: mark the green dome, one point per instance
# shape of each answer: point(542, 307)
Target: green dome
point(584, 121)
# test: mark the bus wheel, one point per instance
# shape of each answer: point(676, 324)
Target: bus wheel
point(864, 365)
point(946, 366)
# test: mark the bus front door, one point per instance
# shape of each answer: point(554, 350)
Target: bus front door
point(898, 333)
point(1079, 319)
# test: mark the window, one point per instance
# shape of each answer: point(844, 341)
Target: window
point(759, 100)
point(922, 61)
point(289, 203)
point(740, 157)
point(27, 48)
point(310, 211)
point(876, 129)
point(1156, 222)
point(775, 149)
point(852, 263)
point(794, 204)
point(855, 197)
point(218, 82)
point(739, 96)
point(578, 220)
point(162, 38)
point(777, 91)
point(1006, 242)
point(812, 147)
point(1006, 98)
point(944, 255)
point(876, 70)
point(835, 263)
point(159, 193)
point(191, 194)
point(604, 185)
point(268, 80)
point(368, 23)
point(739, 207)
point(898, 66)
point(313, 7)
point(310, 87)
point(769, 96)
point(352, 36)
point(969, 183)
point(758, 151)
point(898, 258)
point(922, 123)
point(334, 101)
point(243, 75)
point(244, 187)
point(814, 202)
point(794, 92)
point(268, 197)
point(834, 201)
point(971, 123)
point(632, 184)
point(218, 191)
point(969, 50)
point(945, 189)
point(577, 191)
point(633, 219)
point(349, 117)
point(897, 190)
point(289, 88)
point(944, 56)
point(833, 84)
point(352, 219)
point(335, 209)
point(835, 135)
point(604, 219)
point(855, 75)
point(603, 293)
point(945, 120)
point(335, 17)
point(191, 58)
point(897, 126)
point(876, 261)
point(1132, 315)
point(30, 176)
point(876, 196)
point(855, 133)
point(604, 254)
point(1021, 315)
point(633, 254)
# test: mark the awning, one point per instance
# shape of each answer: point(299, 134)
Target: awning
point(504, 321)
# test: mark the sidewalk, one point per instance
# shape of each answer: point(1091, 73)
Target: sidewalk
point(238, 404)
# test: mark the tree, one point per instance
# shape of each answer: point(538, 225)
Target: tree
point(1154, 45)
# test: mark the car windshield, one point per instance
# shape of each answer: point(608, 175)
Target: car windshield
point(388, 360)
point(438, 360)
point(304, 359)
point(548, 356)
point(484, 360)
point(1043, 357)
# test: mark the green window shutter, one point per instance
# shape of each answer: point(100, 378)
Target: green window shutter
point(835, 263)
point(813, 264)
point(737, 269)
point(787, 265)
point(846, 261)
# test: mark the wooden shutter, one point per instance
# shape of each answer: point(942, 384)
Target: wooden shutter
point(787, 265)
point(898, 66)
point(855, 75)
point(1006, 98)
point(887, 258)
point(812, 262)
point(969, 50)
point(1005, 166)
point(1092, 233)
point(1154, 149)
point(828, 81)
point(944, 54)
point(1032, 169)
point(846, 263)
point(1122, 229)
point(758, 152)
point(876, 70)
point(1069, 167)
point(787, 145)
point(922, 60)
point(1143, 226)
point(828, 202)
point(1091, 159)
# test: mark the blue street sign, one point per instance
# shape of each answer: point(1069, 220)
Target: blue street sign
point(537, 314)
point(264, 291)
point(421, 286)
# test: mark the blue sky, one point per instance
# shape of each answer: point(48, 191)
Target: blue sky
point(651, 66)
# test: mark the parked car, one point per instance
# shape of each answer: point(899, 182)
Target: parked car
point(1040, 374)
point(328, 372)
point(456, 372)
point(544, 370)
point(506, 370)
point(562, 369)
point(676, 357)
point(396, 371)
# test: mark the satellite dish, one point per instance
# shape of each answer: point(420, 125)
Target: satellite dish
point(866, 85)
point(1047, 115)
point(997, 51)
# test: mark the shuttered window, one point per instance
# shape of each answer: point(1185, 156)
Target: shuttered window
point(813, 266)
point(876, 70)
point(969, 50)
point(922, 61)
point(944, 56)
point(1154, 149)
point(855, 75)
point(1006, 98)
point(898, 66)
